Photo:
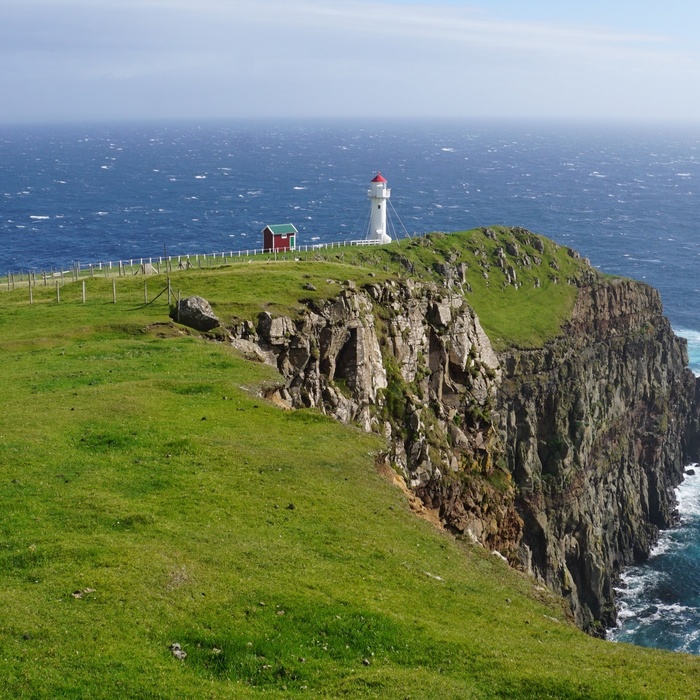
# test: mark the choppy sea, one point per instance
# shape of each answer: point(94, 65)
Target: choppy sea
point(628, 199)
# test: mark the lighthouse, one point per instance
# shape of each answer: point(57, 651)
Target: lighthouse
point(378, 194)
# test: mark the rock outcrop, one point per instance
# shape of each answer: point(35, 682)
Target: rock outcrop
point(196, 313)
point(597, 427)
point(562, 458)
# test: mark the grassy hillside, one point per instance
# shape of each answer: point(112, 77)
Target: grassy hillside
point(149, 497)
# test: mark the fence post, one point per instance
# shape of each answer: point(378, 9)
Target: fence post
point(145, 291)
point(31, 296)
point(58, 292)
point(83, 291)
point(114, 291)
point(169, 292)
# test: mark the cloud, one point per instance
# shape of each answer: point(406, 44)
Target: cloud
point(331, 58)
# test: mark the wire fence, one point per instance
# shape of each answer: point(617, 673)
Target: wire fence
point(156, 265)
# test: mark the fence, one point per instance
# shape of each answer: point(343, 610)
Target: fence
point(134, 266)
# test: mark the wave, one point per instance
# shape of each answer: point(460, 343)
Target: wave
point(693, 338)
point(658, 601)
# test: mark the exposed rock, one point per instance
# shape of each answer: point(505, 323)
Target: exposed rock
point(597, 428)
point(331, 360)
point(177, 651)
point(196, 313)
point(562, 459)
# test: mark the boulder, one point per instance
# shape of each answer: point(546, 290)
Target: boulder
point(195, 312)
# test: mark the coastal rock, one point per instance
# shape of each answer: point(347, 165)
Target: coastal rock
point(563, 458)
point(330, 359)
point(195, 312)
point(597, 427)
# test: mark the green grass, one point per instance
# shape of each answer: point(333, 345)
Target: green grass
point(148, 496)
point(526, 316)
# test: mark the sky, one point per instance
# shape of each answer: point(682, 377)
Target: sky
point(108, 60)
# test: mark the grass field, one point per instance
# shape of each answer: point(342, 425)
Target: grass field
point(148, 497)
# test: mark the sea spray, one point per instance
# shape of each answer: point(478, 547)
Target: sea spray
point(659, 601)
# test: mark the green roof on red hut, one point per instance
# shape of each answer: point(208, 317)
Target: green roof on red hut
point(278, 229)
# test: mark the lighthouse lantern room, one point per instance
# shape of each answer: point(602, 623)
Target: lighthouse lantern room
point(378, 195)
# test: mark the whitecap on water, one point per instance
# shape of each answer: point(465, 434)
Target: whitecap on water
point(693, 338)
point(688, 495)
point(657, 601)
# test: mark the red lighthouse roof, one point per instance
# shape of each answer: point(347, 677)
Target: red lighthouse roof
point(379, 178)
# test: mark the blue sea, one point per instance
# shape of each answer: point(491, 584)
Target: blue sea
point(628, 199)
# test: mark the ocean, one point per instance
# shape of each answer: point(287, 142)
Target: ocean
point(626, 198)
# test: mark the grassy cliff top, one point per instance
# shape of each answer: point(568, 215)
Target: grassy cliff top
point(521, 285)
point(149, 497)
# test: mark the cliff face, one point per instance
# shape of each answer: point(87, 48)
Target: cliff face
point(598, 426)
point(562, 458)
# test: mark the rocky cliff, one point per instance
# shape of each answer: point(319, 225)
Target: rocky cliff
point(562, 457)
point(598, 426)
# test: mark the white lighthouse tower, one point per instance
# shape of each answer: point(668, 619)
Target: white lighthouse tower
point(378, 194)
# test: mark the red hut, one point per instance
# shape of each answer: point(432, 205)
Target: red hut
point(279, 237)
